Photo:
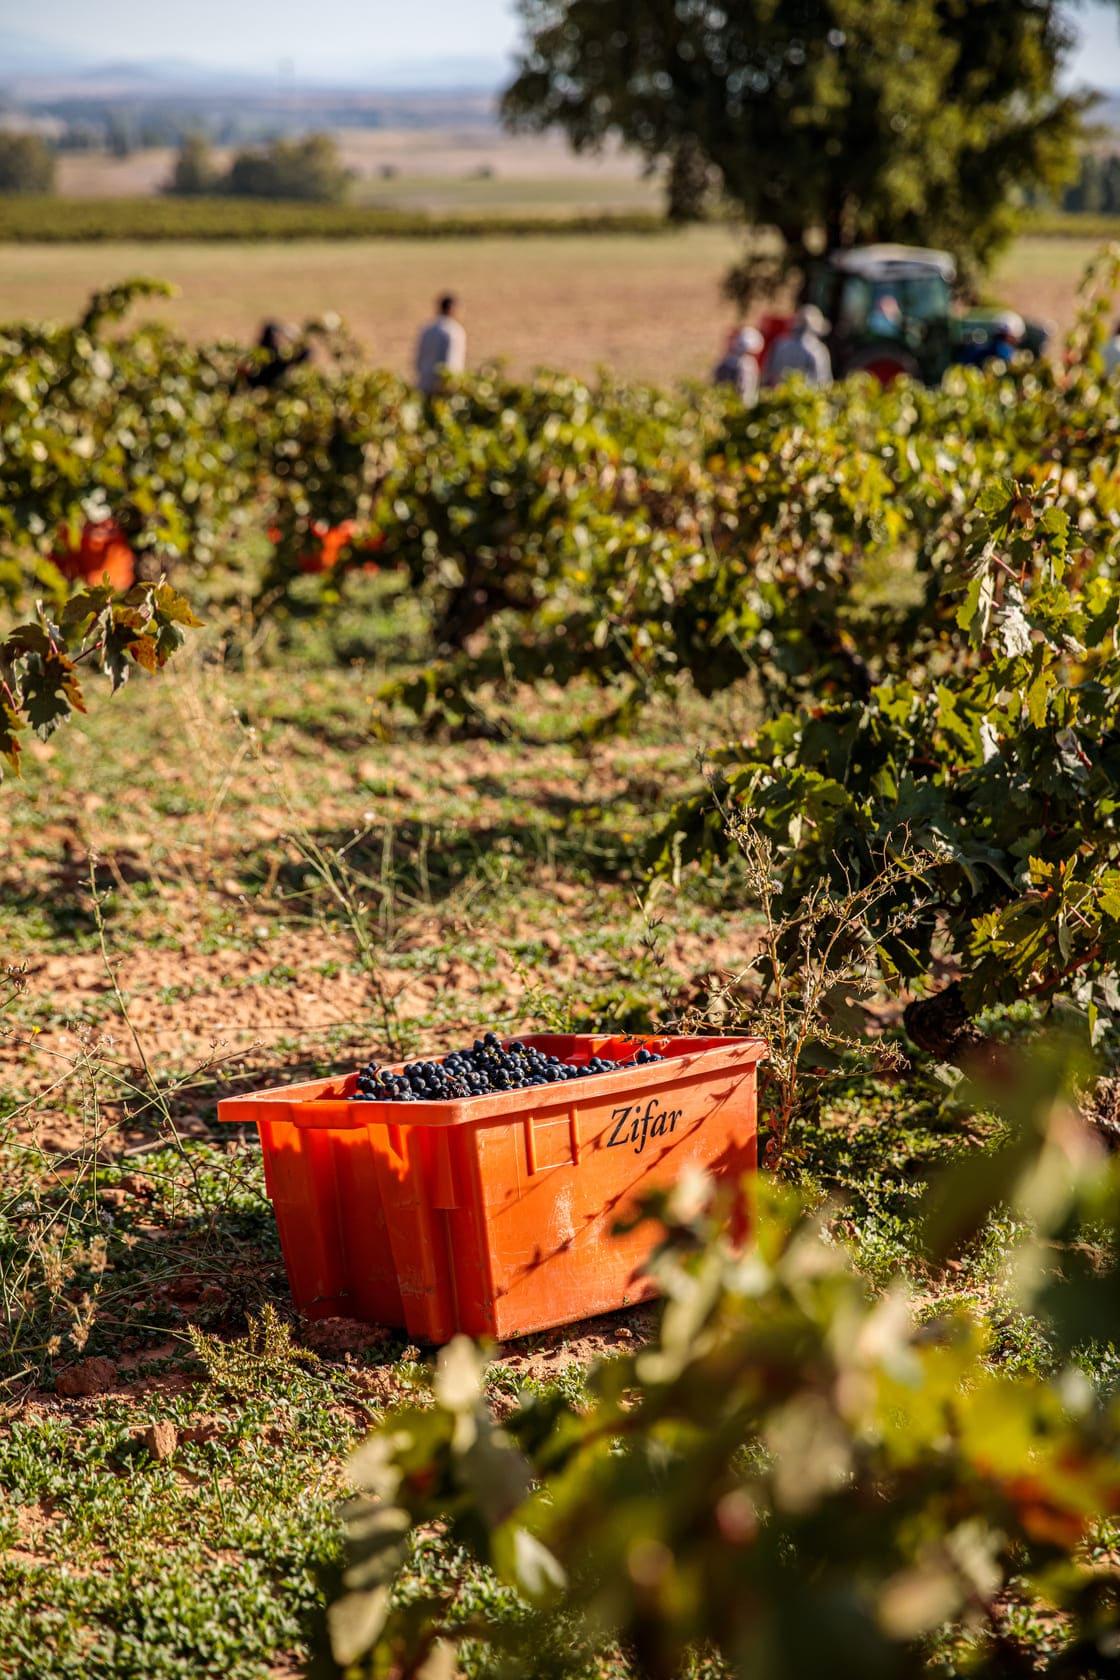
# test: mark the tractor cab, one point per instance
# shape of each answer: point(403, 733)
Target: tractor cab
point(890, 309)
point(890, 313)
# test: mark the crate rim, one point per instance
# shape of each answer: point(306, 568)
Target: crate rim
point(307, 1103)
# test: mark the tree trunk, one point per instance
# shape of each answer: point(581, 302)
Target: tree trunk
point(689, 183)
point(471, 604)
point(1101, 1107)
point(942, 1026)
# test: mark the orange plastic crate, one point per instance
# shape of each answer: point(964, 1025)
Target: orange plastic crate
point(496, 1214)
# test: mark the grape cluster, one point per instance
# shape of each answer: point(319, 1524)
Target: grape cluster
point(490, 1066)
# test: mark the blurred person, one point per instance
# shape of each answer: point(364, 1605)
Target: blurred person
point(739, 365)
point(441, 348)
point(1111, 352)
point(885, 319)
point(1008, 335)
point(801, 350)
point(278, 349)
point(1004, 336)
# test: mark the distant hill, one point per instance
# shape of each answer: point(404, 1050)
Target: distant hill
point(166, 72)
point(36, 72)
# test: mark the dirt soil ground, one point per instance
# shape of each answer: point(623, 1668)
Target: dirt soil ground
point(216, 881)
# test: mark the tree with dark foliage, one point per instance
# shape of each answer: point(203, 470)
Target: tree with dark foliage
point(26, 163)
point(831, 122)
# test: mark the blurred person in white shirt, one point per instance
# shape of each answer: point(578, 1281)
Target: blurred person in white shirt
point(441, 348)
point(738, 366)
point(801, 350)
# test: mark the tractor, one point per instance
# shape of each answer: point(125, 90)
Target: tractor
point(890, 313)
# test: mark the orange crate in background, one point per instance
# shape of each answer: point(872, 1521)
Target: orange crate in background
point(496, 1214)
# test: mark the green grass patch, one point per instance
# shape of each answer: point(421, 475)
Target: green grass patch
point(49, 220)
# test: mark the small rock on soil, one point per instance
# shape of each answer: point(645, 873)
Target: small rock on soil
point(89, 1376)
point(161, 1439)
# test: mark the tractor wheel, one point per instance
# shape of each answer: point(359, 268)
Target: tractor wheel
point(885, 365)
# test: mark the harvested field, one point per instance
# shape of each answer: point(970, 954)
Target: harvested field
point(650, 308)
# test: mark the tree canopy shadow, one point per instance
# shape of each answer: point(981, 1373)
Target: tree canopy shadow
point(61, 895)
point(417, 862)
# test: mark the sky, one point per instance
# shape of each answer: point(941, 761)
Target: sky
point(352, 37)
point(323, 37)
point(1097, 62)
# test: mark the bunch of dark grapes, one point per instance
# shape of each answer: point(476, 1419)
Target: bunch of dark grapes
point(490, 1066)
